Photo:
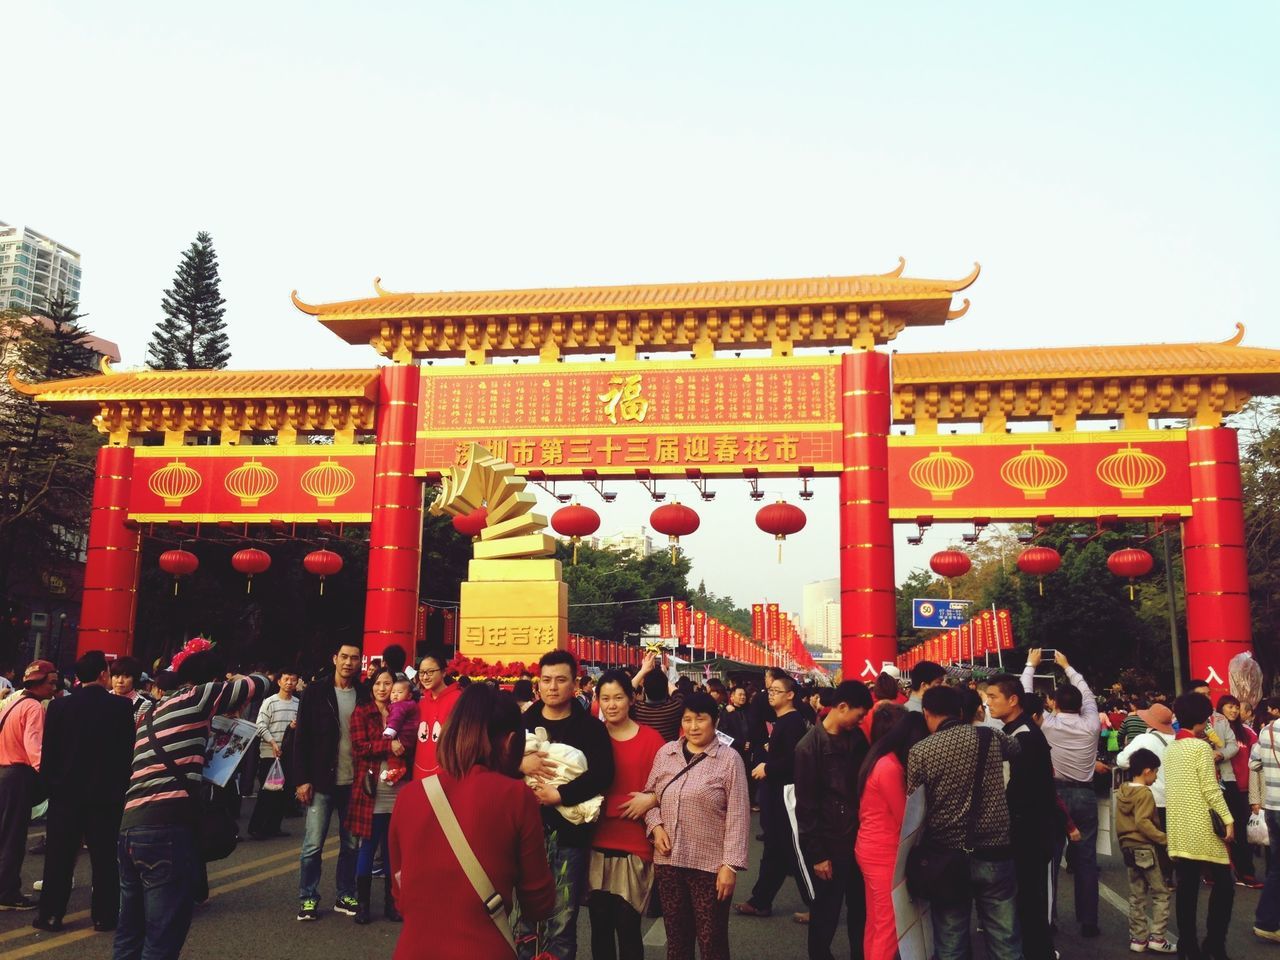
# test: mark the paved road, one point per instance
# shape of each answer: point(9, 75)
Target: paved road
point(250, 914)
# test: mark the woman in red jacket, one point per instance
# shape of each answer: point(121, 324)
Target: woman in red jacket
point(479, 755)
point(620, 871)
point(369, 813)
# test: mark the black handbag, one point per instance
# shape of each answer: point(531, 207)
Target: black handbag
point(941, 874)
point(1219, 825)
point(216, 832)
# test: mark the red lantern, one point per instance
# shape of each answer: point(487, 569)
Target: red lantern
point(781, 519)
point(250, 562)
point(1130, 562)
point(676, 521)
point(322, 563)
point(950, 564)
point(575, 522)
point(179, 563)
point(470, 524)
point(1039, 562)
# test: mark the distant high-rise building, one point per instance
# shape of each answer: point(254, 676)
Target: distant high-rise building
point(34, 269)
point(821, 616)
point(636, 541)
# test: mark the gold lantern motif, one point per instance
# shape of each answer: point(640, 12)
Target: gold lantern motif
point(327, 482)
point(941, 473)
point(251, 482)
point(174, 482)
point(1131, 472)
point(1034, 472)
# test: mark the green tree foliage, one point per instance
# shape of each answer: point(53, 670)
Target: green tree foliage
point(1259, 426)
point(722, 608)
point(192, 335)
point(46, 460)
point(605, 585)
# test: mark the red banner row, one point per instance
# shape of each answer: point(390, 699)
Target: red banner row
point(985, 634)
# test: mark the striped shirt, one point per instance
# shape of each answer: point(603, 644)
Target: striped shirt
point(181, 724)
point(273, 722)
point(1265, 757)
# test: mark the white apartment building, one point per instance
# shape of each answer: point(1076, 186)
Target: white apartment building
point(636, 541)
point(34, 268)
point(821, 616)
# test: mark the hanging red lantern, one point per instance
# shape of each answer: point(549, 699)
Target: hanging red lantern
point(470, 524)
point(1039, 562)
point(950, 564)
point(1130, 562)
point(575, 522)
point(676, 521)
point(250, 562)
point(781, 519)
point(179, 563)
point(322, 563)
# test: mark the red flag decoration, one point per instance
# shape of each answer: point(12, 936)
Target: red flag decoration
point(981, 626)
point(664, 619)
point(757, 621)
point(450, 622)
point(772, 636)
point(682, 621)
point(700, 629)
point(1004, 629)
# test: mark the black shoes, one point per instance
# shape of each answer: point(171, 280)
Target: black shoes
point(19, 902)
point(103, 926)
point(50, 924)
point(1090, 930)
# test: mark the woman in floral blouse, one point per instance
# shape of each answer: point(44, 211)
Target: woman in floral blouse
point(1191, 792)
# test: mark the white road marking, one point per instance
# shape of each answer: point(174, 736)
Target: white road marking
point(1113, 898)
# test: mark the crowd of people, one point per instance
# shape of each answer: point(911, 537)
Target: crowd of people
point(632, 795)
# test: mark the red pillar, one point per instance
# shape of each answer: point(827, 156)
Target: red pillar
point(1214, 559)
point(111, 568)
point(868, 611)
point(395, 534)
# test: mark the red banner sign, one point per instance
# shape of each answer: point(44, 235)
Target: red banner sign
point(664, 417)
point(682, 621)
point(295, 483)
point(664, 620)
point(1021, 476)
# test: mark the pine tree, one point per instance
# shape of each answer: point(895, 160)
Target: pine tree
point(193, 334)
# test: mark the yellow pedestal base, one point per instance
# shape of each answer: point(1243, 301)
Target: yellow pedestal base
point(513, 620)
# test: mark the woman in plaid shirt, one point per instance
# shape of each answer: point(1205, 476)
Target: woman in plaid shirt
point(699, 831)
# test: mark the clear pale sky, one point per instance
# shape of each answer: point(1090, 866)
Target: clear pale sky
point(1112, 166)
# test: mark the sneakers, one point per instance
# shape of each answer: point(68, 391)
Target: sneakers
point(1161, 945)
point(1271, 935)
point(309, 910)
point(348, 905)
point(1138, 946)
point(17, 903)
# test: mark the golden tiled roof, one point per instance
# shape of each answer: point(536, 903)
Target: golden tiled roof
point(205, 385)
point(1098, 363)
point(740, 294)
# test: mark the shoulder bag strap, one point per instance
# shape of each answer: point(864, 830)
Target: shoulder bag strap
point(984, 744)
point(687, 767)
point(480, 881)
point(164, 758)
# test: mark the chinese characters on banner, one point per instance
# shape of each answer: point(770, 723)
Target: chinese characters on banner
point(757, 622)
point(664, 620)
point(682, 621)
point(669, 418)
point(771, 637)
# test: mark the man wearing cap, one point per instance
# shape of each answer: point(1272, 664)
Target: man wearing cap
point(1159, 721)
point(21, 734)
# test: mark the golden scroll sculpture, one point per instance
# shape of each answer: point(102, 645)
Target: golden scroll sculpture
point(515, 606)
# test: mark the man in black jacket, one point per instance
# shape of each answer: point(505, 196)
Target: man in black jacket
point(775, 767)
point(85, 759)
point(828, 758)
point(324, 770)
point(1035, 820)
point(564, 718)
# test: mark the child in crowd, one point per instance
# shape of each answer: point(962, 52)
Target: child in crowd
point(1140, 836)
point(401, 715)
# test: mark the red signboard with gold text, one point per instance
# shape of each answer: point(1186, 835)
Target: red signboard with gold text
point(300, 483)
point(668, 418)
point(1021, 476)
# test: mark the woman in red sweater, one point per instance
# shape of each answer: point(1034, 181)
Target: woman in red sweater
point(620, 872)
point(882, 793)
point(479, 755)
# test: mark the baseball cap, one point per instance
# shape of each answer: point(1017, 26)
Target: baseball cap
point(38, 670)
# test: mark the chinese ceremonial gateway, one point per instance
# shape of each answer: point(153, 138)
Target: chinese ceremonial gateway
point(668, 403)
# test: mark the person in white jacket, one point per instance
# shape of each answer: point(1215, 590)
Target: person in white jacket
point(1159, 734)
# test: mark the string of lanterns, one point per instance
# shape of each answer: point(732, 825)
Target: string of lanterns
point(1041, 561)
point(251, 562)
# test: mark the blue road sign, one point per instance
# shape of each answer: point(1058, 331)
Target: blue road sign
point(939, 614)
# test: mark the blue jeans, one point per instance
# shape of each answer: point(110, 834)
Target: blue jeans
point(1082, 806)
point(994, 892)
point(1268, 915)
point(560, 930)
point(314, 834)
point(369, 845)
point(158, 865)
